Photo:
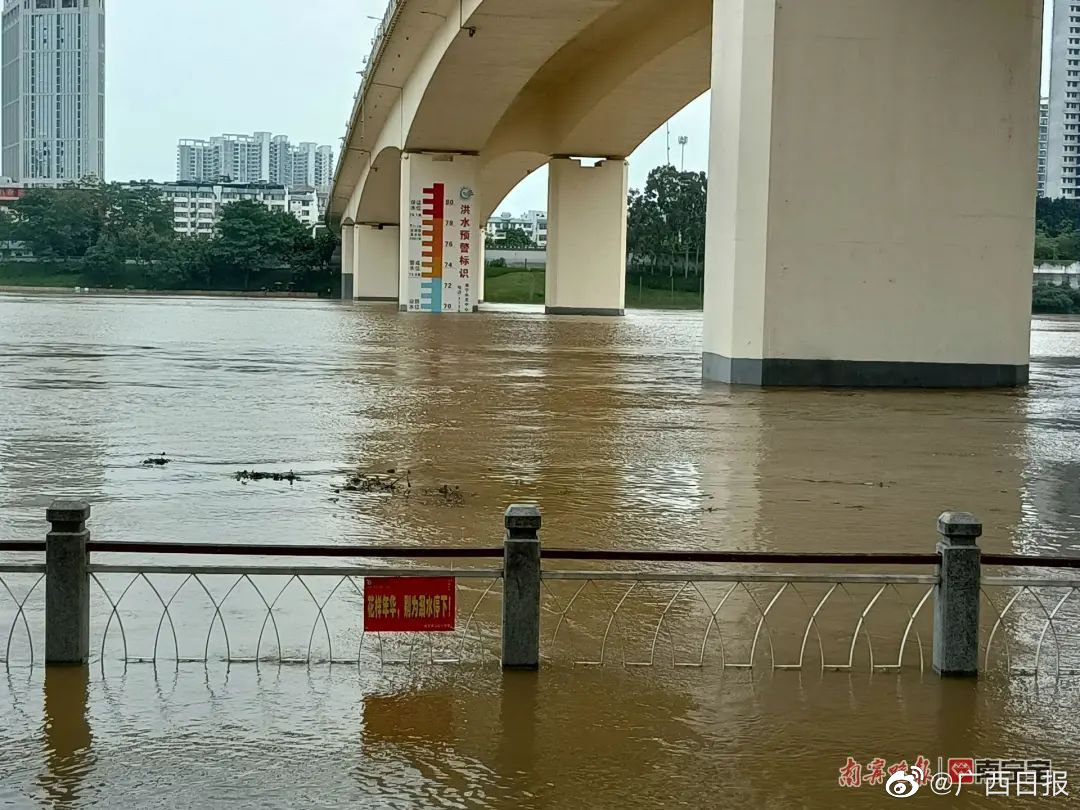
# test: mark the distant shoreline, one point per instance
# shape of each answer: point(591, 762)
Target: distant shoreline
point(160, 293)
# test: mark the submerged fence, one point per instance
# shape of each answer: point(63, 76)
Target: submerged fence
point(521, 605)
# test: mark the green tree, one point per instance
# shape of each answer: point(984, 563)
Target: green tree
point(666, 220)
point(513, 239)
point(1057, 216)
point(119, 236)
point(252, 238)
point(137, 207)
point(59, 223)
point(316, 271)
point(102, 265)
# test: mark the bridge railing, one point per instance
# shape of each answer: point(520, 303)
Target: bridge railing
point(119, 603)
point(382, 32)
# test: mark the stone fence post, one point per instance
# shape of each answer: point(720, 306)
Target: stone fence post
point(956, 596)
point(521, 588)
point(67, 584)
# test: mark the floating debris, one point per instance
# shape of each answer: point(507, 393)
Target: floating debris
point(244, 476)
point(156, 461)
point(389, 482)
point(400, 484)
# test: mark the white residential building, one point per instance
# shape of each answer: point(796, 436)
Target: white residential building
point(1063, 125)
point(304, 205)
point(53, 98)
point(258, 158)
point(533, 223)
point(197, 206)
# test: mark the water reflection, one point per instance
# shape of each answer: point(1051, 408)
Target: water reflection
point(66, 735)
point(872, 470)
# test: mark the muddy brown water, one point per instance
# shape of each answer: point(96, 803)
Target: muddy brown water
point(606, 425)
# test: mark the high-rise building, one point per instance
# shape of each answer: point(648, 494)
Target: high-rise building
point(258, 158)
point(324, 167)
point(281, 160)
point(303, 165)
point(1044, 130)
point(1063, 124)
point(53, 97)
point(243, 158)
point(195, 160)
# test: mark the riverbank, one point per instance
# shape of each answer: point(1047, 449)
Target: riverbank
point(57, 290)
point(527, 287)
point(69, 278)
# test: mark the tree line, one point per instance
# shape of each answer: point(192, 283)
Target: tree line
point(111, 235)
point(665, 226)
point(1057, 230)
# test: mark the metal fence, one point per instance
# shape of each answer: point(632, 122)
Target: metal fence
point(777, 621)
point(729, 610)
point(1031, 626)
point(272, 614)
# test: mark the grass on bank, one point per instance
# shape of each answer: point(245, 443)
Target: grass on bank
point(69, 275)
point(39, 274)
point(511, 286)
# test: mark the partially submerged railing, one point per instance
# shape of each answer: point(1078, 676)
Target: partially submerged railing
point(760, 610)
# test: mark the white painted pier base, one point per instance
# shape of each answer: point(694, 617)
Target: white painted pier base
point(871, 192)
point(375, 273)
point(348, 259)
point(586, 252)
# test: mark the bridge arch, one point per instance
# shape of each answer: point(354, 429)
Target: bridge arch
point(858, 104)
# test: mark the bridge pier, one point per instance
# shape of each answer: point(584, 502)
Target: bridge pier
point(481, 261)
point(375, 273)
point(586, 251)
point(348, 259)
point(871, 192)
point(439, 234)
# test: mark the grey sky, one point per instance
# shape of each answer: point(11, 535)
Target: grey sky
point(197, 68)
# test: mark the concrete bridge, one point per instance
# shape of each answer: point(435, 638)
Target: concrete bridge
point(871, 170)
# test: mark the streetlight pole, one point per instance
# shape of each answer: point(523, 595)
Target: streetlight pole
point(683, 140)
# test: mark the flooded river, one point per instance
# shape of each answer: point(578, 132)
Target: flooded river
point(602, 422)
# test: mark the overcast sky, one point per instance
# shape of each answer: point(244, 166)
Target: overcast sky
point(198, 68)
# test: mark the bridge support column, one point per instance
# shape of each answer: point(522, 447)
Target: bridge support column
point(481, 262)
point(348, 260)
point(586, 252)
point(376, 262)
point(871, 192)
point(439, 233)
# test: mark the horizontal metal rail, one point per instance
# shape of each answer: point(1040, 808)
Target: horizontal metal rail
point(1028, 561)
point(773, 557)
point(264, 550)
point(598, 555)
point(292, 571)
point(1033, 582)
point(606, 555)
point(22, 568)
point(22, 545)
point(713, 576)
